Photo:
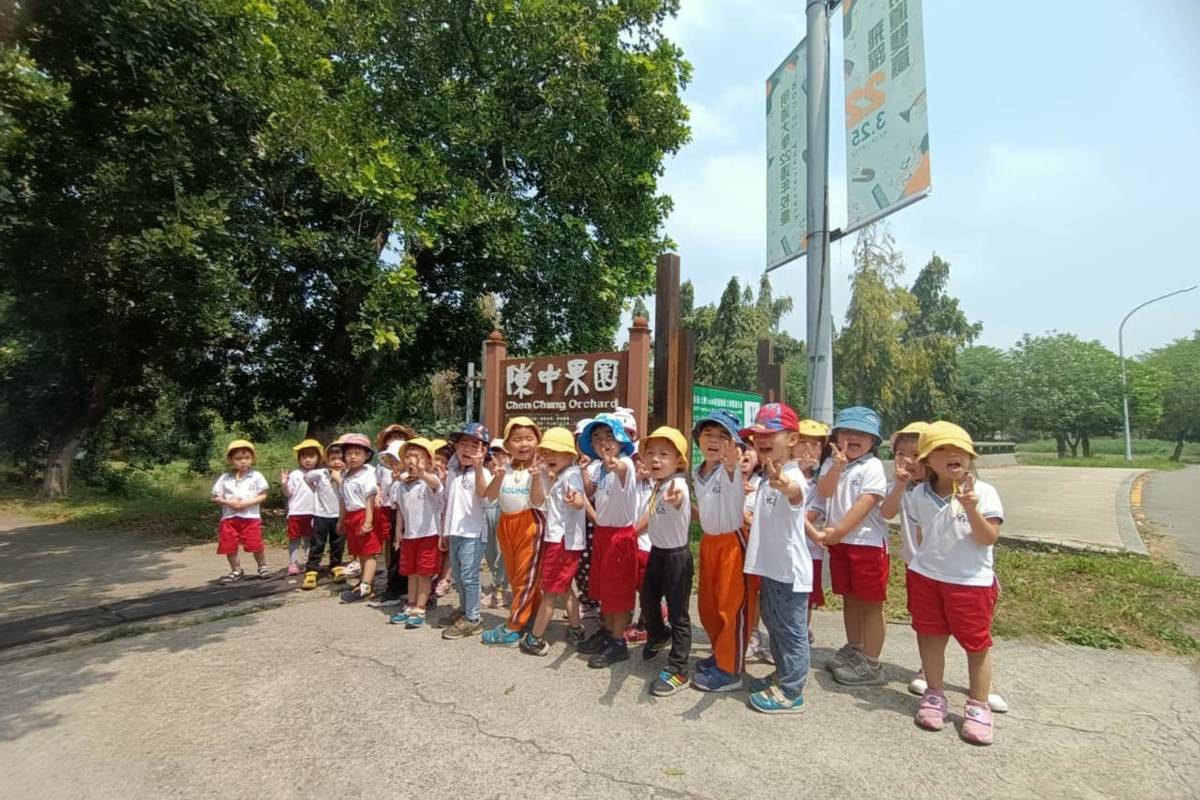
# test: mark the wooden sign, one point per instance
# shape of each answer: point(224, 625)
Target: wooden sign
point(562, 389)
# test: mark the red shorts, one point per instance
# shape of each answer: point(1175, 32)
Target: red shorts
point(816, 598)
point(359, 543)
point(239, 530)
point(300, 526)
point(951, 609)
point(860, 570)
point(420, 556)
point(558, 567)
point(613, 581)
point(383, 524)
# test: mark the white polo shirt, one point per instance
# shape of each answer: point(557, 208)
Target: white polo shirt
point(383, 477)
point(514, 491)
point(668, 528)
point(777, 548)
point(230, 487)
point(565, 523)
point(302, 501)
point(908, 531)
point(645, 490)
point(358, 488)
point(948, 553)
point(721, 499)
point(616, 503)
point(421, 507)
point(813, 502)
point(862, 476)
point(752, 493)
point(325, 496)
point(464, 509)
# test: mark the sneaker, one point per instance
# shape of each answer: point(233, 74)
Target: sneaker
point(590, 611)
point(758, 648)
point(534, 645)
point(997, 703)
point(918, 685)
point(668, 683)
point(310, 580)
point(634, 635)
point(264, 572)
point(233, 576)
point(977, 723)
point(757, 685)
point(414, 621)
point(705, 664)
point(388, 600)
point(448, 620)
point(614, 651)
point(716, 680)
point(841, 658)
point(338, 573)
point(357, 595)
point(293, 569)
point(655, 646)
point(859, 672)
point(575, 636)
point(443, 588)
point(931, 714)
point(399, 618)
point(594, 643)
point(501, 636)
point(463, 628)
point(352, 570)
point(776, 701)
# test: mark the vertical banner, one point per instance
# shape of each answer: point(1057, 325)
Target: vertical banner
point(887, 126)
point(787, 138)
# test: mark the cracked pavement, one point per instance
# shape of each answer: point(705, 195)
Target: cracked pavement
point(316, 698)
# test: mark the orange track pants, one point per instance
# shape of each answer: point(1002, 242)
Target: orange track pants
point(520, 539)
point(727, 602)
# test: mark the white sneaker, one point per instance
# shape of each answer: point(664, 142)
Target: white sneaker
point(918, 685)
point(997, 703)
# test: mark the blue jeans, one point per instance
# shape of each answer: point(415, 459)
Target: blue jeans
point(465, 557)
point(785, 613)
point(491, 553)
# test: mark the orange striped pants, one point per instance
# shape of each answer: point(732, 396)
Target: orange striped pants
point(727, 601)
point(520, 538)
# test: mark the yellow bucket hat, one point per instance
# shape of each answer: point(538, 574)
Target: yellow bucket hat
point(524, 422)
point(810, 427)
point(309, 444)
point(677, 440)
point(421, 442)
point(240, 444)
point(558, 440)
point(941, 434)
point(438, 444)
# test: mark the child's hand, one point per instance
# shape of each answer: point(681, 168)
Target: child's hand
point(500, 469)
point(283, 475)
point(583, 461)
point(774, 476)
point(819, 535)
point(335, 475)
point(839, 458)
point(570, 495)
point(674, 495)
point(443, 544)
point(368, 525)
point(966, 494)
point(341, 528)
point(610, 462)
point(731, 456)
point(416, 472)
point(828, 536)
point(903, 470)
point(397, 472)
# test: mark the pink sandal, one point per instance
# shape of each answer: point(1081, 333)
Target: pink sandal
point(977, 723)
point(931, 714)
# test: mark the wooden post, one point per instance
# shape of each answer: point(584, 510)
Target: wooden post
point(667, 328)
point(495, 349)
point(639, 371)
point(685, 388)
point(770, 375)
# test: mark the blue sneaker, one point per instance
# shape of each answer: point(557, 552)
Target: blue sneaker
point(399, 618)
point(414, 621)
point(775, 701)
point(716, 680)
point(356, 595)
point(501, 636)
point(705, 664)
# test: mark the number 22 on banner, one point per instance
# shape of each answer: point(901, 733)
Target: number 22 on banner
point(864, 100)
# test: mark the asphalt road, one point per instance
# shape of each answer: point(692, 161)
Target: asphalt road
point(1171, 501)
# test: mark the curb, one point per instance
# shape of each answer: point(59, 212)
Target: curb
point(1126, 522)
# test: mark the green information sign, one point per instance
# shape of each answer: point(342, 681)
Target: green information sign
point(707, 399)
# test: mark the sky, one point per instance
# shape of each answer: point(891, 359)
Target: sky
point(1063, 139)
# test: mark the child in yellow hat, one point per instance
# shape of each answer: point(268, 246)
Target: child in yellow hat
point(301, 500)
point(239, 492)
point(327, 508)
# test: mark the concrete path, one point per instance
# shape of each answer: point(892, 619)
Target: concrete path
point(1171, 502)
point(1071, 506)
point(317, 700)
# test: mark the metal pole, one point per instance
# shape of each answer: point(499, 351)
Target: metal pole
point(470, 390)
point(1121, 353)
point(819, 306)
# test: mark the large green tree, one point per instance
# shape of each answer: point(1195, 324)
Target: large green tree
point(984, 391)
point(1179, 363)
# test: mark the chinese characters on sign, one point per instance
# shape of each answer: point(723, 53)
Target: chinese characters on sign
point(559, 390)
point(787, 173)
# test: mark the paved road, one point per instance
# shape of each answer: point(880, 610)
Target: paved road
point(1171, 501)
point(316, 700)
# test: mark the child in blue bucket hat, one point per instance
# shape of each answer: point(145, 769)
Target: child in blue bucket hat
point(613, 579)
point(854, 484)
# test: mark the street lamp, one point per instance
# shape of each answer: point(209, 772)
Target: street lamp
point(1121, 351)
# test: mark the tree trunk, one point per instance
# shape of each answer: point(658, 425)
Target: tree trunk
point(1087, 444)
point(64, 446)
point(1074, 444)
point(1060, 443)
point(1178, 454)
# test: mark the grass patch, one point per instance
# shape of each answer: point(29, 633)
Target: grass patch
point(1140, 461)
point(1115, 446)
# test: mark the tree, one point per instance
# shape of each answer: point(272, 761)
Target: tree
point(1179, 362)
point(983, 393)
point(1068, 388)
point(125, 150)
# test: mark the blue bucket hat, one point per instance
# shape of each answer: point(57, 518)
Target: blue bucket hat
point(472, 430)
point(723, 418)
point(860, 419)
point(618, 432)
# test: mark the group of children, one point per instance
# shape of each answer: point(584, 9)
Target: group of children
point(599, 516)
